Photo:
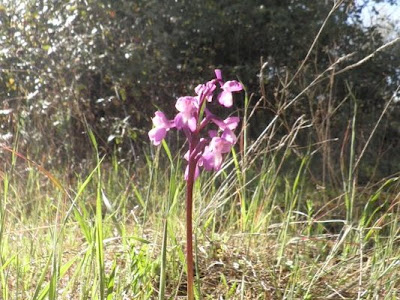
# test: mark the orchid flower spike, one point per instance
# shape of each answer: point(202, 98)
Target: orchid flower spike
point(205, 149)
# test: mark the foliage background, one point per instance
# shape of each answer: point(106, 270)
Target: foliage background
point(110, 63)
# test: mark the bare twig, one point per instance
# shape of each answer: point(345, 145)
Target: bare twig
point(334, 8)
point(322, 76)
point(373, 130)
point(368, 57)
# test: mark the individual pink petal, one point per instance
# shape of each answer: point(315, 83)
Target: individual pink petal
point(212, 160)
point(232, 122)
point(221, 124)
point(186, 176)
point(187, 116)
point(161, 127)
point(207, 160)
point(218, 122)
point(220, 145)
point(225, 99)
point(205, 90)
point(179, 121)
point(232, 86)
point(198, 89)
point(192, 124)
point(182, 121)
point(217, 161)
point(196, 172)
point(212, 155)
point(218, 74)
point(186, 104)
point(156, 135)
point(160, 120)
point(229, 136)
point(186, 156)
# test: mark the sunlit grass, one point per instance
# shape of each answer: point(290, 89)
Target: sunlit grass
point(261, 231)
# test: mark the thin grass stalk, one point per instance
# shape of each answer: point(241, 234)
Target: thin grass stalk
point(52, 294)
point(99, 222)
point(163, 278)
point(350, 191)
point(242, 173)
point(42, 278)
point(154, 166)
point(197, 290)
point(167, 207)
point(3, 205)
point(99, 241)
point(111, 281)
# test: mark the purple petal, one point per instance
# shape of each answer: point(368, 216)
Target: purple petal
point(221, 145)
point(225, 99)
point(218, 122)
point(198, 89)
point(229, 136)
point(218, 74)
point(208, 160)
point(206, 90)
point(178, 121)
point(160, 120)
point(186, 156)
point(187, 172)
point(192, 124)
point(157, 134)
point(196, 172)
point(212, 155)
point(232, 86)
point(217, 161)
point(231, 122)
point(186, 104)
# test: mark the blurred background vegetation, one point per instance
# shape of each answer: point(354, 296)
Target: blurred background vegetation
point(108, 64)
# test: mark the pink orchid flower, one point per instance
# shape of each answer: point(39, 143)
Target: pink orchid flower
point(161, 127)
point(187, 116)
point(219, 141)
point(206, 90)
point(226, 97)
point(230, 122)
point(212, 155)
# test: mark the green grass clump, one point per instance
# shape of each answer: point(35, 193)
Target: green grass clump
point(263, 229)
